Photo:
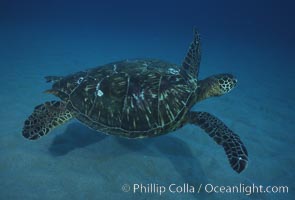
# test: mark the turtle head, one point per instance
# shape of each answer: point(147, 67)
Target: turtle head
point(216, 85)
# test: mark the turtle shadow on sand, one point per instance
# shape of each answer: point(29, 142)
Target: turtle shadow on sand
point(75, 136)
point(166, 147)
point(169, 147)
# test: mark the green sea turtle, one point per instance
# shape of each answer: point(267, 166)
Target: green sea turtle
point(139, 98)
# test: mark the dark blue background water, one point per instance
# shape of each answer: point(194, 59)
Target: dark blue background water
point(252, 39)
point(248, 29)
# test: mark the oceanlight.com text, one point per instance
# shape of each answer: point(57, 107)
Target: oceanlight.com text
point(160, 189)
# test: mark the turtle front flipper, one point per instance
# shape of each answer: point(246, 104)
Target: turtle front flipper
point(191, 64)
point(233, 146)
point(45, 117)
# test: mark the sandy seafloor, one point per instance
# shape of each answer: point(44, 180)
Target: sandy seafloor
point(75, 162)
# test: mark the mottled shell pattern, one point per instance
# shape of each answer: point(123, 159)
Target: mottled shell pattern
point(132, 98)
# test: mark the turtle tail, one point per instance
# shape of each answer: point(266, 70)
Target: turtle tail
point(44, 118)
point(234, 148)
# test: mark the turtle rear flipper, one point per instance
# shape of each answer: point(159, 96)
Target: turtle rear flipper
point(45, 117)
point(233, 146)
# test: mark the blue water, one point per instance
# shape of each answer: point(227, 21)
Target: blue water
point(253, 40)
